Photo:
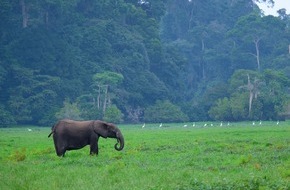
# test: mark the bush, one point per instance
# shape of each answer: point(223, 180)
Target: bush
point(6, 118)
point(69, 111)
point(164, 111)
point(222, 110)
point(113, 114)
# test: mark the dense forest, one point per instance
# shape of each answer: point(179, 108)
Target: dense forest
point(137, 61)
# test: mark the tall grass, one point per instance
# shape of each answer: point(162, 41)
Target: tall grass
point(239, 156)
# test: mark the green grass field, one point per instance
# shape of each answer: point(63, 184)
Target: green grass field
point(239, 156)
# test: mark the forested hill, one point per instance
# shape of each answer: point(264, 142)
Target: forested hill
point(142, 61)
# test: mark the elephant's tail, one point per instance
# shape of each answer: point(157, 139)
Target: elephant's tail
point(52, 131)
point(50, 134)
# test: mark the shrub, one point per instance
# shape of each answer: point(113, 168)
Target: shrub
point(164, 111)
point(113, 114)
point(69, 111)
point(6, 118)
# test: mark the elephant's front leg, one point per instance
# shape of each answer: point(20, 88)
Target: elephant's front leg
point(94, 148)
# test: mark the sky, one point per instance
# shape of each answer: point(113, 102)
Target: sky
point(279, 4)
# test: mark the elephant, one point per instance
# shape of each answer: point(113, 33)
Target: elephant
point(73, 135)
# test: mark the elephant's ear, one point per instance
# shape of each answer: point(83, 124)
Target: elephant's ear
point(101, 128)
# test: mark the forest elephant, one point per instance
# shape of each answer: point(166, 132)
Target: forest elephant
point(72, 135)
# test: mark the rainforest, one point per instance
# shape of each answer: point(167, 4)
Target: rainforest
point(136, 61)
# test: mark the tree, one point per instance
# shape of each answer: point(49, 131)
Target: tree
point(33, 95)
point(253, 95)
point(275, 98)
point(250, 29)
point(132, 53)
point(103, 81)
point(113, 114)
point(6, 118)
point(68, 111)
point(249, 82)
point(239, 106)
point(222, 110)
point(164, 111)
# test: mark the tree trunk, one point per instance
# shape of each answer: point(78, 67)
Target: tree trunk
point(201, 59)
point(99, 97)
point(256, 41)
point(46, 19)
point(24, 14)
point(251, 94)
point(105, 98)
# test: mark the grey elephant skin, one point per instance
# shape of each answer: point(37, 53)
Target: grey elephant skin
point(72, 135)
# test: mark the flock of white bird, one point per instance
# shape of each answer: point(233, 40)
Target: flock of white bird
point(194, 125)
point(211, 124)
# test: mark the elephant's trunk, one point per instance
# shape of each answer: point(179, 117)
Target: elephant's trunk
point(120, 140)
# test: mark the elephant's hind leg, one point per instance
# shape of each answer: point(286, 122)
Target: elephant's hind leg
point(59, 147)
point(61, 152)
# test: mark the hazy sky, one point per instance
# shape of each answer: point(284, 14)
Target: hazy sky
point(279, 4)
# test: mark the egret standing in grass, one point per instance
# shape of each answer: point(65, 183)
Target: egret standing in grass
point(160, 125)
point(29, 129)
point(193, 125)
point(185, 125)
point(221, 124)
point(143, 126)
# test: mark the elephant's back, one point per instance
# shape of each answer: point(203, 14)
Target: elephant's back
point(69, 122)
point(68, 126)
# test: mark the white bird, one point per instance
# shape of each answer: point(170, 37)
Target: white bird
point(193, 125)
point(253, 123)
point(29, 129)
point(260, 122)
point(184, 125)
point(160, 125)
point(221, 124)
point(277, 122)
point(211, 125)
point(228, 123)
point(143, 126)
point(205, 125)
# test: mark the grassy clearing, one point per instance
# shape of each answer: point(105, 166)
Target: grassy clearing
point(172, 157)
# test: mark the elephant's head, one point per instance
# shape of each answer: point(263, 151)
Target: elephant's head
point(109, 130)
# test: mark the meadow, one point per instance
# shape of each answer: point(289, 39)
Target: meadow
point(239, 156)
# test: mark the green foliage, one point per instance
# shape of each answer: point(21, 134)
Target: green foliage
point(222, 110)
point(113, 115)
point(6, 118)
point(266, 89)
point(164, 111)
point(88, 107)
point(68, 111)
point(131, 53)
point(239, 106)
point(108, 78)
